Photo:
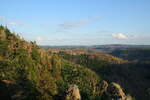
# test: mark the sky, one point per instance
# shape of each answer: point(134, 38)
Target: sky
point(78, 22)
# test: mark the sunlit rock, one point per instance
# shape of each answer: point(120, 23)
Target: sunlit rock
point(73, 93)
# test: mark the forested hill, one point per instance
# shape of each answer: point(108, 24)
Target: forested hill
point(28, 72)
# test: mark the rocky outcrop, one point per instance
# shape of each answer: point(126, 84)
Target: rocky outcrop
point(115, 92)
point(73, 93)
point(103, 86)
point(112, 91)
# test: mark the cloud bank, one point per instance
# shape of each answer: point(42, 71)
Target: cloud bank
point(39, 38)
point(120, 36)
point(68, 25)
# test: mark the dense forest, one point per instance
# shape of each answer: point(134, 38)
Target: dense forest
point(28, 72)
point(134, 77)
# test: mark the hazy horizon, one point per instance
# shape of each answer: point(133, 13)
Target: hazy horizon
point(86, 45)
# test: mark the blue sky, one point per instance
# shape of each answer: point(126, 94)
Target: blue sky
point(78, 22)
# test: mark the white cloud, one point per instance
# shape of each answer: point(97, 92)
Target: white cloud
point(76, 24)
point(39, 38)
point(72, 24)
point(13, 23)
point(68, 25)
point(120, 36)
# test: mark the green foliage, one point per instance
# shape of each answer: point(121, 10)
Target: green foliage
point(35, 55)
point(46, 85)
point(131, 76)
point(56, 63)
point(86, 79)
point(4, 50)
point(23, 66)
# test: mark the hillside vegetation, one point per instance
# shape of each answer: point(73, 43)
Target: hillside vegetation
point(134, 77)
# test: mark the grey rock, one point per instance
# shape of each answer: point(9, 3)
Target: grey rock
point(73, 93)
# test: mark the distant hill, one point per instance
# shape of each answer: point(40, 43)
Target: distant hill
point(124, 51)
point(96, 46)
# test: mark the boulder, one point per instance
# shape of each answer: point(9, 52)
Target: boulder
point(103, 86)
point(73, 93)
point(115, 92)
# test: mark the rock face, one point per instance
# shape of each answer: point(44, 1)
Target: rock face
point(112, 91)
point(115, 92)
point(103, 86)
point(73, 93)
